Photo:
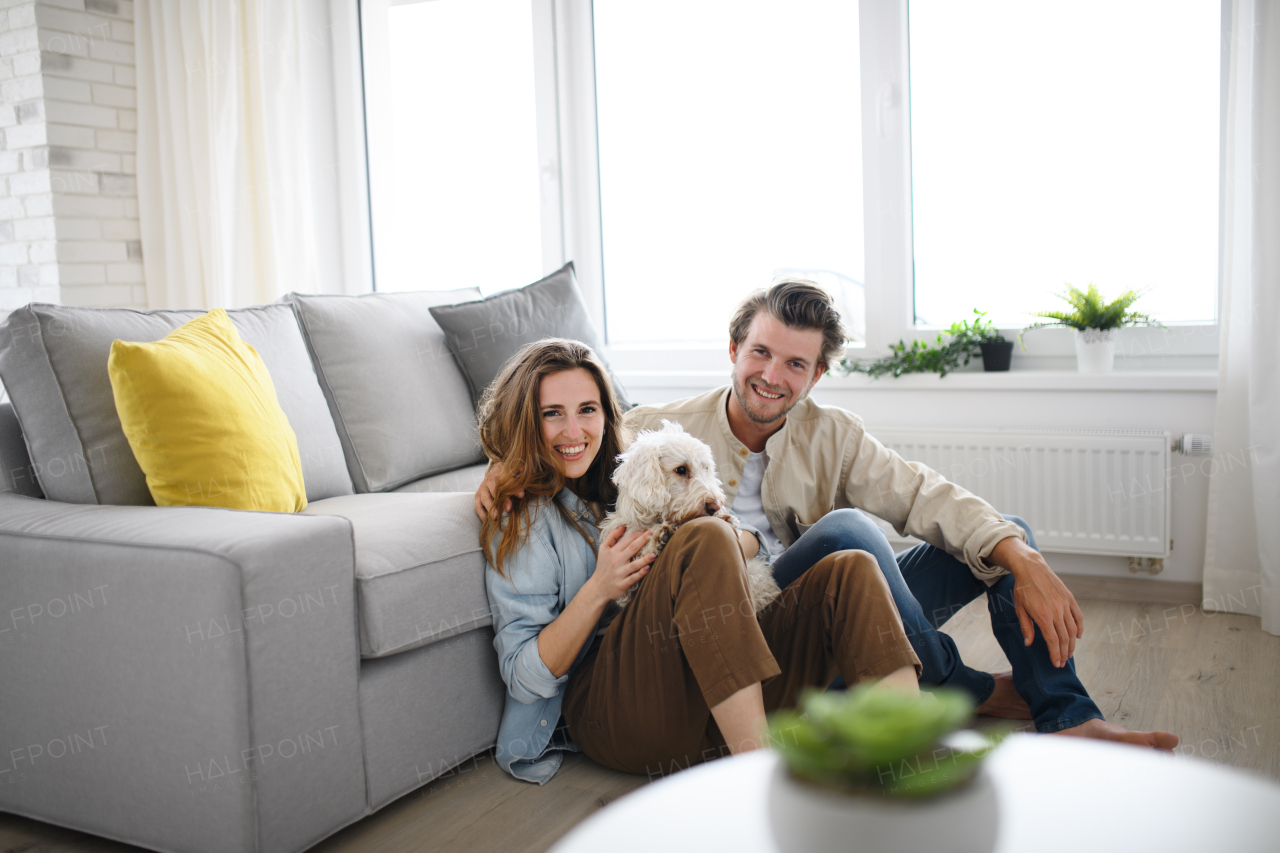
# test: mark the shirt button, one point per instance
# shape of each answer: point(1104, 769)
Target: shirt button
point(743, 451)
point(544, 722)
point(733, 482)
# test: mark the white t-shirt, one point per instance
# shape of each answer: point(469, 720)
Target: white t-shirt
point(749, 506)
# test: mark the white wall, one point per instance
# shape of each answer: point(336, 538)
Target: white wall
point(1179, 402)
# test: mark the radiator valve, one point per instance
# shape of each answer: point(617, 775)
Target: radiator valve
point(1155, 565)
point(1191, 444)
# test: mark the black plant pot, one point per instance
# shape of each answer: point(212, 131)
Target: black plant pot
point(996, 355)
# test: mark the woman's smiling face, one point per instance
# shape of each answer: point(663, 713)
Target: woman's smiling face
point(572, 419)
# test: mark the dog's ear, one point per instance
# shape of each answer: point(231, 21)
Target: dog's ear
point(642, 483)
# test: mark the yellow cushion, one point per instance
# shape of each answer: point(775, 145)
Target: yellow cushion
point(201, 414)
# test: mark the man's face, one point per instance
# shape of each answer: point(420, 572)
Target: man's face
point(775, 367)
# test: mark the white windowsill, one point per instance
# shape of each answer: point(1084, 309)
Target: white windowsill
point(1013, 380)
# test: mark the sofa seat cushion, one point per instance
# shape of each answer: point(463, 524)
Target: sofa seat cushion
point(463, 480)
point(419, 568)
point(53, 361)
point(396, 395)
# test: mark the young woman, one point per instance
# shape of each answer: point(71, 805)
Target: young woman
point(685, 672)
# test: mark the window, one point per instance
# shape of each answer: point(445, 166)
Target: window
point(730, 151)
point(917, 159)
point(1058, 142)
point(453, 147)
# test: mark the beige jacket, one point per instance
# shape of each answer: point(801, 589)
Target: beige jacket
point(822, 459)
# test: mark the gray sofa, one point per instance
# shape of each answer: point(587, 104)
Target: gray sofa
point(195, 679)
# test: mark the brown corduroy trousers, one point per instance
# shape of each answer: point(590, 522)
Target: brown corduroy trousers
point(641, 700)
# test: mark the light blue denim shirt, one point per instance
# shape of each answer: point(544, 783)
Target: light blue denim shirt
point(542, 577)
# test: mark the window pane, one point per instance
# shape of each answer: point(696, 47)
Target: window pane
point(1064, 141)
point(458, 205)
point(730, 152)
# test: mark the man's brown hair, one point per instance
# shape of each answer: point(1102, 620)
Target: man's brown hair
point(798, 303)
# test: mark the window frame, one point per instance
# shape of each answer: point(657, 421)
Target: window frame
point(887, 194)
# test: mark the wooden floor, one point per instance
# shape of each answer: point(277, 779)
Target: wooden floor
point(1212, 679)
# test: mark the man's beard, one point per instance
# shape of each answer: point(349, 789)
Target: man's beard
point(740, 394)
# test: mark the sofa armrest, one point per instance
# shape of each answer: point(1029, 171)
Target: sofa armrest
point(180, 678)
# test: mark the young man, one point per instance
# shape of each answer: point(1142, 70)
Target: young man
point(800, 472)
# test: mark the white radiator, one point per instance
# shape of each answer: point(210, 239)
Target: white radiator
point(1082, 491)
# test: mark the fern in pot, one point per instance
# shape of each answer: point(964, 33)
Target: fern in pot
point(1095, 321)
point(879, 769)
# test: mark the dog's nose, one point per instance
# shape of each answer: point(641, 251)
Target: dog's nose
point(712, 507)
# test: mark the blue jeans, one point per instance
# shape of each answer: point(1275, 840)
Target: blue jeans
point(929, 587)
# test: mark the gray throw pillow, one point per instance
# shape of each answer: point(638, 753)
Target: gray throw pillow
point(485, 334)
point(53, 361)
point(400, 404)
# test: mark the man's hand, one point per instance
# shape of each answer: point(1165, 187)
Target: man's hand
point(1041, 598)
point(488, 488)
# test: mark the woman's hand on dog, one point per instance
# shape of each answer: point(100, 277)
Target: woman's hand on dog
point(617, 566)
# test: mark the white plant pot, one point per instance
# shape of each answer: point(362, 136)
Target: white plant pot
point(1095, 350)
point(809, 818)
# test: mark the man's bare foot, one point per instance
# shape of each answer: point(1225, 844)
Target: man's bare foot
point(1102, 730)
point(1005, 701)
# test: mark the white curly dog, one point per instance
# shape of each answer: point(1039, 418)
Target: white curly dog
point(665, 478)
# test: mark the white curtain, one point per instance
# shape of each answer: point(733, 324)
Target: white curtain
point(1242, 550)
point(245, 151)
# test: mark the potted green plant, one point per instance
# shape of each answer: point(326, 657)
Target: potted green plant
point(1095, 321)
point(949, 351)
point(997, 352)
point(884, 768)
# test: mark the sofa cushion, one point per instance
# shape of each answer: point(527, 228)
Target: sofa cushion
point(483, 335)
point(419, 568)
point(400, 404)
point(53, 361)
point(19, 475)
point(201, 414)
point(463, 480)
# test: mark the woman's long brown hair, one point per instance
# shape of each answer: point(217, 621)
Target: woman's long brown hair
point(511, 434)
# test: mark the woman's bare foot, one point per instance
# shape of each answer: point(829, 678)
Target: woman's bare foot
point(1005, 701)
point(1102, 730)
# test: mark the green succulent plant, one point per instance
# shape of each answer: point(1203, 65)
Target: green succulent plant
point(949, 351)
point(878, 740)
point(1091, 311)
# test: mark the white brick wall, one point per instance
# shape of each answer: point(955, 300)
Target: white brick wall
point(68, 121)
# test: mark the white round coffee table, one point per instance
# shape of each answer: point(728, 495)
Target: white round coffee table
point(1056, 794)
